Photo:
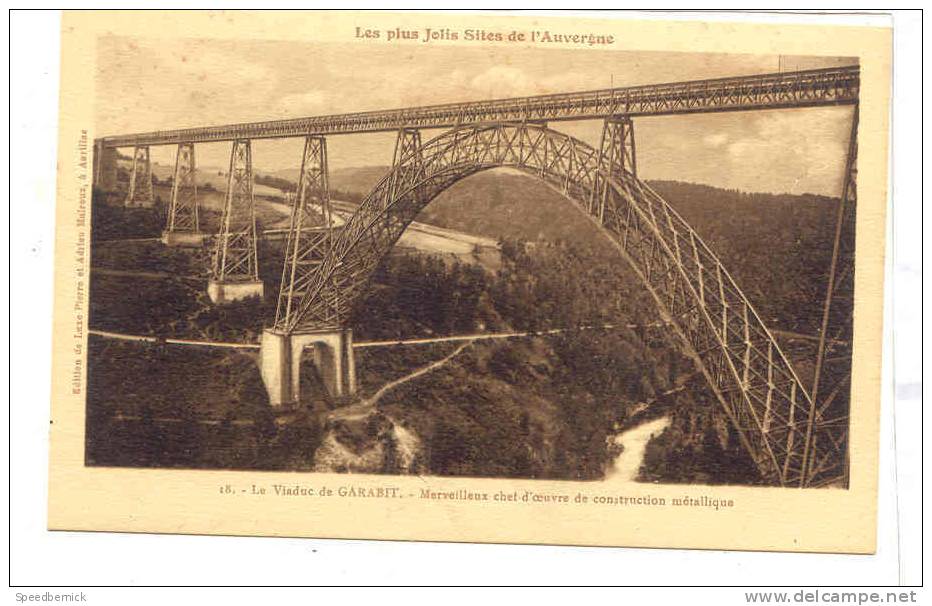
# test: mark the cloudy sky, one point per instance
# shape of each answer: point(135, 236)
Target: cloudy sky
point(151, 84)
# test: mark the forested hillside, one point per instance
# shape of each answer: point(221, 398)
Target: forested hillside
point(540, 407)
point(777, 247)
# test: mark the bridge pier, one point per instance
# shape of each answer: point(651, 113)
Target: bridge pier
point(228, 291)
point(235, 269)
point(105, 167)
point(183, 238)
point(182, 227)
point(280, 357)
point(616, 147)
point(616, 156)
point(407, 161)
point(140, 180)
point(310, 237)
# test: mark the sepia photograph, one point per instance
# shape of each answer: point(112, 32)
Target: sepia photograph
point(628, 265)
point(564, 281)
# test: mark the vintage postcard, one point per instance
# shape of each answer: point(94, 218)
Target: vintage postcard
point(470, 277)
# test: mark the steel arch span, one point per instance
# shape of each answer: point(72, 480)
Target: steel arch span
point(792, 442)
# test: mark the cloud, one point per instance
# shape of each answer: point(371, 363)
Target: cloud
point(510, 81)
point(741, 148)
point(303, 104)
point(566, 82)
point(147, 84)
point(502, 81)
point(802, 150)
point(219, 65)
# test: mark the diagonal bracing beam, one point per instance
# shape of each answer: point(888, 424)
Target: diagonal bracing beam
point(235, 267)
point(310, 237)
point(182, 210)
point(828, 400)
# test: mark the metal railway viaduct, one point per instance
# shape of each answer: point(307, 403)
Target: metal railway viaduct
point(795, 433)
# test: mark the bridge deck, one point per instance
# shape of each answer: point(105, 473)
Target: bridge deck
point(821, 87)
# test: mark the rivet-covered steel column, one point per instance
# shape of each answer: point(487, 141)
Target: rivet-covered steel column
point(235, 270)
point(310, 239)
point(183, 226)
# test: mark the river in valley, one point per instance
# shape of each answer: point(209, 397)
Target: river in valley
point(634, 443)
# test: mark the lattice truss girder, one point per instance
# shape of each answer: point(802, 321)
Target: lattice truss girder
point(235, 254)
point(767, 402)
point(309, 240)
point(140, 179)
point(757, 387)
point(182, 210)
point(819, 87)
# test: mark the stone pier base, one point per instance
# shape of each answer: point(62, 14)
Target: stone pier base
point(280, 363)
point(227, 292)
point(139, 202)
point(194, 239)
